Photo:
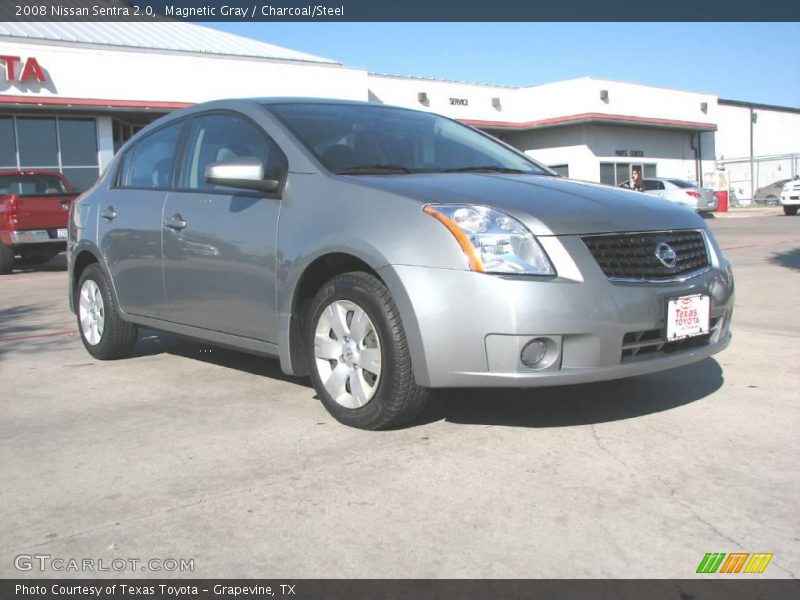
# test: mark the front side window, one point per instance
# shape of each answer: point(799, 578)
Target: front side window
point(223, 137)
point(153, 158)
point(353, 139)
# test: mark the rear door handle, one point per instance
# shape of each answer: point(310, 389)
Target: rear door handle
point(175, 222)
point(109, 214)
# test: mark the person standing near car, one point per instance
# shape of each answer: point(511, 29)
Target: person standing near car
point(636, 183)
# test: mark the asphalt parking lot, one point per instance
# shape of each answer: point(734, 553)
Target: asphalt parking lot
point(192, 452)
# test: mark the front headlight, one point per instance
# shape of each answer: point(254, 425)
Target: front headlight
point(493, 241)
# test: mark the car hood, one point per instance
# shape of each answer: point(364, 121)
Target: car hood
point(547, 205)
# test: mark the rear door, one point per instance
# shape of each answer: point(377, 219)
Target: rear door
point(220, 243)
point(131, 216)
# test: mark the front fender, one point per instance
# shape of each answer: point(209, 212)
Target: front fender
point(370, 256)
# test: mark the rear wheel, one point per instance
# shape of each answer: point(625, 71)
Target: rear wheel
point(359, 358)
point(105, 335)
point(790, 211)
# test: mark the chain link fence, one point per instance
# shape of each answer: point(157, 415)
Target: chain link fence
point(760, 179)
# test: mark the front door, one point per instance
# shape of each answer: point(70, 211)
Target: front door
point(219, 253)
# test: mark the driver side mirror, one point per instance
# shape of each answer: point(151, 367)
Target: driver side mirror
point(246, 173)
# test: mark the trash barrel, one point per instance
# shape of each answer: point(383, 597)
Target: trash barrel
point(722, 200)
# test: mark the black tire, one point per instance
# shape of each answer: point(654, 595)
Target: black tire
point(790, 211)
point(6, 259)
point(118, 336)
point(397, 398)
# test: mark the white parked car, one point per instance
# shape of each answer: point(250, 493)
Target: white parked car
point(790, 196)
point(680, 192)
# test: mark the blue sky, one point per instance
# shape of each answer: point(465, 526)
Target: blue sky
point(757, 62)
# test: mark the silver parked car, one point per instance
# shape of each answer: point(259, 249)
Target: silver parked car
point(680, 192)
point(770, 194)
point(385, 251)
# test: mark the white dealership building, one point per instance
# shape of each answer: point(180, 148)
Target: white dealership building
point(72, 93)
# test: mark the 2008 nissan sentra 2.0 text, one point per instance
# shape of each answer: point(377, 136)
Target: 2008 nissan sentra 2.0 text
point(385, 252)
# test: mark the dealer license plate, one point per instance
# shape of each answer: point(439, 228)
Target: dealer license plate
point(688, 316)
point(62, 234)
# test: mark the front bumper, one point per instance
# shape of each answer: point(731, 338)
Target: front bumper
point(466, 329)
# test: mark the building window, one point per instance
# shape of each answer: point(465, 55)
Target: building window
point(37, 143)
point(617, 173)
point(66, 145)
point(562, 170)
point(8, 144)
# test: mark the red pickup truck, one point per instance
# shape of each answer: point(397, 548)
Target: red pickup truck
point(34, 206)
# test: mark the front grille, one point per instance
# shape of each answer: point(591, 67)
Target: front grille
point(641, 345)
point(632, 256)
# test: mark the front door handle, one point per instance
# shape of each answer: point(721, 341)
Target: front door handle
point(109, 214)
point(175, 222)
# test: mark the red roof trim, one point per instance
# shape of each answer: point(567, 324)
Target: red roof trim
point(588, 117)
point(48, 101)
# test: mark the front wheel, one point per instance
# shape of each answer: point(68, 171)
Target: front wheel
point(105, 335)
point(356, 347)
point(790, 211)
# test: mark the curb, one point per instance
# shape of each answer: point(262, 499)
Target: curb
point(742, 213)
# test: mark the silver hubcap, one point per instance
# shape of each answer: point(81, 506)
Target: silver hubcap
point(347, 353)
point(91, 312)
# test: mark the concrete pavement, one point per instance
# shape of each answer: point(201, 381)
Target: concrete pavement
point(188, 451)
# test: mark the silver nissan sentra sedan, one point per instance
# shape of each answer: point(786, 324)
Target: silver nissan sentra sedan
point(385, 251)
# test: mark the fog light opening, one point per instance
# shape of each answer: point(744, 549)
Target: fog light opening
point(533, 353)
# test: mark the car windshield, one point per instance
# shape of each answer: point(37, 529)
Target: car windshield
point(364, 139)
point(682, 184)
point(31, 185)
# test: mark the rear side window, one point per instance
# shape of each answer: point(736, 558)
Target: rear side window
point(123, 173)
point(222, 137)
point(153, 161)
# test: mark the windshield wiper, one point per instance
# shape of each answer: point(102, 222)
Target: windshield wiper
point(491, 168)
point(372, 170)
